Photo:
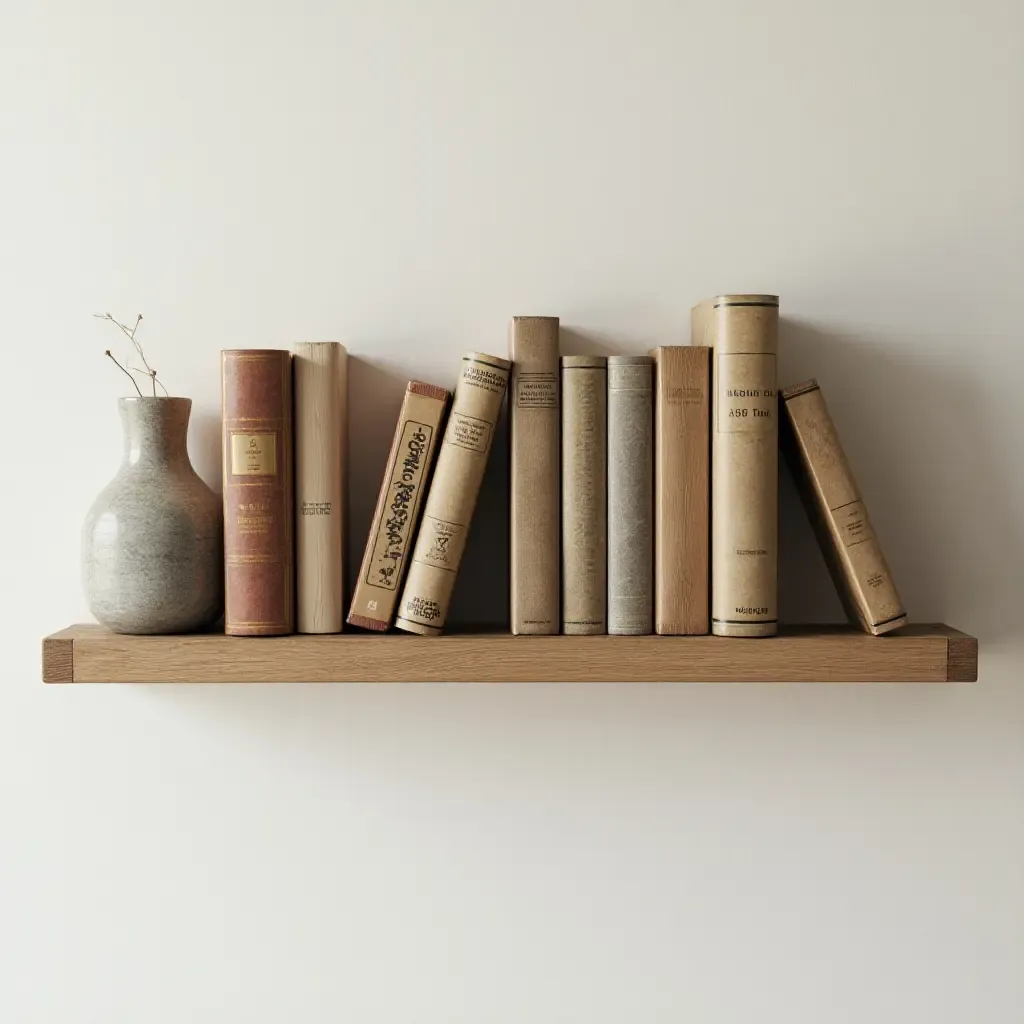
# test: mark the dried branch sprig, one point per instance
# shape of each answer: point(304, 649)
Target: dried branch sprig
point(110, 356)
point(129, 333)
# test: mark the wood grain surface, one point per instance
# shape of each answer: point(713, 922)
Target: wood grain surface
point(933, 653)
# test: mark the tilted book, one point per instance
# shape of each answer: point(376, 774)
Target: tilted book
point(630, 495)
point(256, 391)
point(743, 332)
point(682, 482)
point(319, 371)
point(584, 495)
point(399, 505)
point(534, 428)
point(453, 493)
point(837, 512)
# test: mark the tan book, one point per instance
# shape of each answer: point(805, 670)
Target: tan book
point(682, 481)
point(837, 512)
point(399, 505)
point(319, 371)
point(743, 331)
point(534, 428)
point(453, 494)
point(630, 495)
point(584, 495)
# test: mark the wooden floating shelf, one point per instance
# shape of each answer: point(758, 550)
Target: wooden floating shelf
point(829, 654)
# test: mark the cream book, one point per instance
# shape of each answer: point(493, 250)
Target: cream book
point(682, 481)
point(453, 493)
point(319, 370)
point(399, 506)
point(534, 428)
point(584, 495)
point(743, 332)
point(630, 495)
point(837, 511)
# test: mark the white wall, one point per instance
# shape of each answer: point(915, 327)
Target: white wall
point(403, 175)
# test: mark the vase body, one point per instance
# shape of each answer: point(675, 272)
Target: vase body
point(152, 548)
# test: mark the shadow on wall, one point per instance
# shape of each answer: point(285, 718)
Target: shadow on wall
point(919, 439)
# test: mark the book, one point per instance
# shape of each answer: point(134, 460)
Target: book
point(584, 495)
point(453, 493)
point(682, 481)
point(534, 428)
point(630, 495)
point(837, 511)
point(399, 505)
point(256, 393)
point(743, 331)
point(320, 381)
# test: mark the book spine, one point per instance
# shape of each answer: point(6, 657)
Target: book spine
point(256, 391)
point(837, 512)
point(630, 511)
point(321, 400)
point(453, 494)
point(534, 411)
point(682, 453)
point(584, 495)
point(744, 462)
point(399, 505)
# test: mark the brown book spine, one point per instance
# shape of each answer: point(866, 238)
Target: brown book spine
point(256, 393)
point(534, 408)
point(744, 462)
point(584, 495)
point(319, 371)
point(453, 494)
point(837, 512)
point(399, 505)
point(682, 416)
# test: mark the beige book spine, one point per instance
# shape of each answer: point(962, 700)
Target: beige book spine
point(399, 505)
point(837, 512)
point(630, 495)
point(319, 370)
point(682, 453)
point(584, 495)
point(453, 494)
point(744, 462)
point(534, 427)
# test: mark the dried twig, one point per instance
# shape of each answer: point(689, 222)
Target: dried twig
point(129, 333)
point(110, 355)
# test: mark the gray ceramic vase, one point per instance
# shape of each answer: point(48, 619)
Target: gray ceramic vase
point(152, 547)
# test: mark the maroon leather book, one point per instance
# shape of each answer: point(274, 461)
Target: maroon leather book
point(259, 570)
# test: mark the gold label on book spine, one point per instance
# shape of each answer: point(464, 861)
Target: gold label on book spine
point(744, 402)
point(253, 454)
point(536, 390)
point(468, 432)
point(391, 545)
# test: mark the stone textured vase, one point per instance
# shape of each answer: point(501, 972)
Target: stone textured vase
point(152, 548)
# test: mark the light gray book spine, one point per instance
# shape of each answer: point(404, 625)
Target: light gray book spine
point(584, 495)
point(630, 495)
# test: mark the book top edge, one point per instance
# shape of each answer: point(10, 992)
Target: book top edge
point(419, 387)
point(551, 319)
point(585, 362)
point(629, 360)
point(302, 346)
point(487, 360)
point(739, 300)
point(799, 389)
point(253, 353)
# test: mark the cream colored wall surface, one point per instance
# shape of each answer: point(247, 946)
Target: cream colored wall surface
point(403, 176)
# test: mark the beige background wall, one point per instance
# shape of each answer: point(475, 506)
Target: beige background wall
point(404, 175)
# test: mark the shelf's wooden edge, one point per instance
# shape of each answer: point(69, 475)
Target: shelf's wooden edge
point(59, 656)
point(961, 658)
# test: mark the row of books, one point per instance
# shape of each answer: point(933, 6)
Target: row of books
point(643, 490)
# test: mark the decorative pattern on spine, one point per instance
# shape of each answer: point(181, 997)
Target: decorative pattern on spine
point(682, 412)
point(399, 505)
point(256, 389)
point(630, 497)
point(584, 495)
point(837, 512)
point(321, 411)
point(534, 474)
point(743, 330)
point(453, 494)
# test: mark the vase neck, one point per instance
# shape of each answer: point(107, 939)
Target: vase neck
point(155, 430)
